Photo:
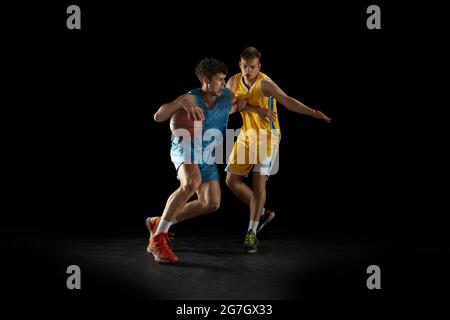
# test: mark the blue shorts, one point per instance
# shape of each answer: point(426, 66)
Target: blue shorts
point(208, 170)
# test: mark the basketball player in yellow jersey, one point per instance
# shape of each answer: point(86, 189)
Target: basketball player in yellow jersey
point(260, 132)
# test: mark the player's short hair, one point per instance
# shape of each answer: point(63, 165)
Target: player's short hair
point(250, 53)
point(209, 67)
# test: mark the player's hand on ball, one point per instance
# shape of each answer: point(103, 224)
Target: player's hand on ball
point(193, 111)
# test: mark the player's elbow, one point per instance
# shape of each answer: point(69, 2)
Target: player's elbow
point(157, 117)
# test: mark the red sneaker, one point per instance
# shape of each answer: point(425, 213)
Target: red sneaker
point(160, 248)
point(152, 225)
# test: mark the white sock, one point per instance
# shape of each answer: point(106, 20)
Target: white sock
point(163, 226)
point(253, 225)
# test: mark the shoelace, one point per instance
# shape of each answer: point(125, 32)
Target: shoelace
point(249, 238)
point(161, 241)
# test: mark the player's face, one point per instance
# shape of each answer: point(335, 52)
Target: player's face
point(250, 68)
point(217, 84)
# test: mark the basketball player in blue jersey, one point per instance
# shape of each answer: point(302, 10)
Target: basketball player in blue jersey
point(211, 103)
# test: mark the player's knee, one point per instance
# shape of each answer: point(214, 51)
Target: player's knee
point(230, 181)
point(259, 188)
point(210, 205)
point(191, 185)
point(213, 206)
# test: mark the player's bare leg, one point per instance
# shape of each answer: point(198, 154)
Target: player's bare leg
point(245, 194)
point(208, 201)
point(258, 198)
point(239, 187)
point(257, 202)
point(190, 180)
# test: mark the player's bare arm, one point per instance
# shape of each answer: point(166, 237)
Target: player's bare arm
point(186, 102)
point(236, 105)
point(265, 114)
point(270, 88)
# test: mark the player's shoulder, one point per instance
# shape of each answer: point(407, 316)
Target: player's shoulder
point(266, 81)
point(195, 91)
point(266, 85)
point(194, 94)
point(263, 77)
point(231, 81)
point(235, 76)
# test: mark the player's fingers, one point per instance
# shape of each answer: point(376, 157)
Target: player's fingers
point(194, 116)
point(200, 114)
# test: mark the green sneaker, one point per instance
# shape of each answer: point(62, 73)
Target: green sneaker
point(251, 244)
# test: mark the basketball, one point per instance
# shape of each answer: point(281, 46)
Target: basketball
point(180, 120)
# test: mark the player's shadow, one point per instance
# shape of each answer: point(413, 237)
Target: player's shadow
point(212, 251)
point(201, 265)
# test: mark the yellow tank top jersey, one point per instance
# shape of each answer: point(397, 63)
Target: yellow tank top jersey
point(258, 139)
point(253, 95)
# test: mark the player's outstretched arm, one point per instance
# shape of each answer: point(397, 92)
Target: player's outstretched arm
point(270, 88)
point(186, 102)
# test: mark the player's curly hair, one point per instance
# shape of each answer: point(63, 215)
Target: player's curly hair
point(209, 67)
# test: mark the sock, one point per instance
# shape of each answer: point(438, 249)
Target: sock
point(263, 211)
point(163, 226)
point(253, 225)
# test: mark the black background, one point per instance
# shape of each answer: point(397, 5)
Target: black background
point(83, 153)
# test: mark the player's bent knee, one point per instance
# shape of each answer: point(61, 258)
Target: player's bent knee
point(210, 206)
point(191, 185)
point(231, 181)
point(213, 206)
point(259, 186)
point(258, 192)
point(228, 182)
